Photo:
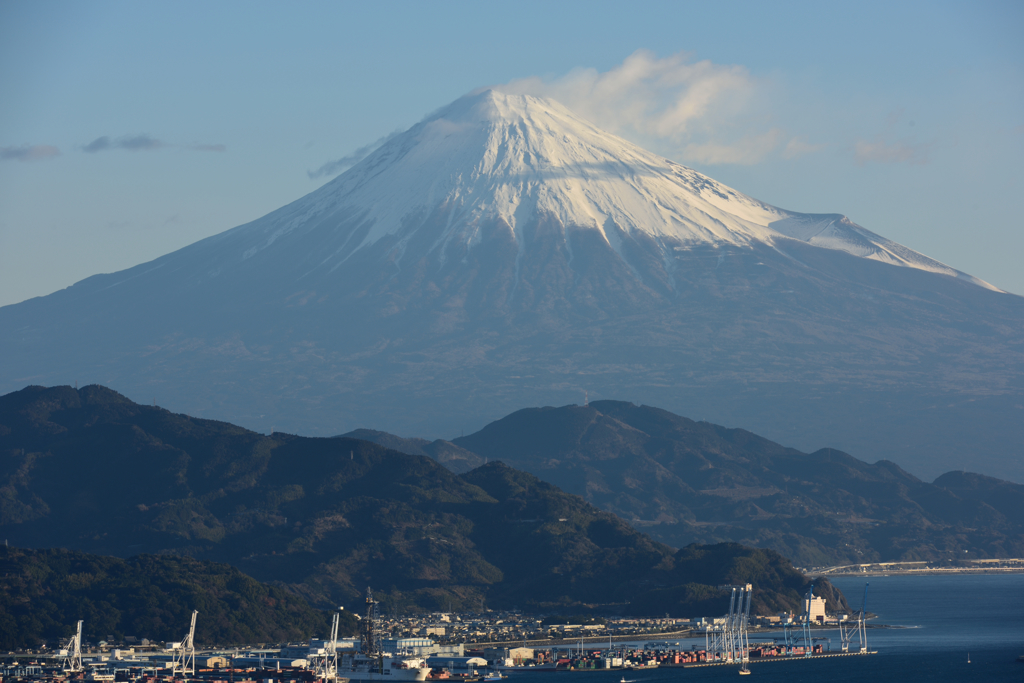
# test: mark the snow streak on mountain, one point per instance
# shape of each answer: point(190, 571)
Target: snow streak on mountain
point(505, 253)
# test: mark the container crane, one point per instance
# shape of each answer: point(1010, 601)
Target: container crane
point(861, 628)
point(729, 642)
point(845, 635)
point(808, 645)
point(183, 658)
point(325, 662)
point(744, 637)
point(72, 652)
point(730, 628)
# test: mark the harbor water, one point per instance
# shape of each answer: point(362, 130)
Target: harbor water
point(938, 622)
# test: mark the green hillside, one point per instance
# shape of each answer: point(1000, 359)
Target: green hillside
point(43, 593)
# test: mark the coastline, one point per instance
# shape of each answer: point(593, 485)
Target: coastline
point(1009, 565)
point(936, 571)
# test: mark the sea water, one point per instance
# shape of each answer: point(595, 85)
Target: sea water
point(938, 621)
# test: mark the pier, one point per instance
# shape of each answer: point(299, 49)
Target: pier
point(778, 658)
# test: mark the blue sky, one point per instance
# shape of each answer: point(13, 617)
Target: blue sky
point(128, 130)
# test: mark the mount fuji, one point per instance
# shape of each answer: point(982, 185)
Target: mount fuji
point(504, 253)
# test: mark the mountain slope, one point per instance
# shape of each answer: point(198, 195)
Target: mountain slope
point(684, 482)
point(503, 253)
point(44, 592)
point(328, 517)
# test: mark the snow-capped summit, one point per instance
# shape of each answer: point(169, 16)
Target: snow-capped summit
point(495, 161)
point(505, 253)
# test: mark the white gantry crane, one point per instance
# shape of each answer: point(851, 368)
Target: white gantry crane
point(730, 642)
point(716, 635)
point(808, 643)
point(72, 652)
point(861, 629)
point(325, 662)
point(730, 628)
point(183, 657)
point(744, 637)
point(739, 648)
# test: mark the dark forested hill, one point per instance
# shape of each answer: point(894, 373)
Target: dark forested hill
point(683, 482)
point(90, 470)
point(44, 592)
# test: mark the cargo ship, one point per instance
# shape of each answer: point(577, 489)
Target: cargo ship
point(371, 663)
point(382, 667)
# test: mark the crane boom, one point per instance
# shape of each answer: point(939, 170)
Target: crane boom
point(192, 630)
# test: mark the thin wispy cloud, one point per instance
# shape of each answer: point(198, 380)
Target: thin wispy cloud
point(750, 150)
point(882, 152)
point(28, 152)
point(142, 143)
point(333, 168)
point(797, 148)
point(132, 143)
point(892, 146)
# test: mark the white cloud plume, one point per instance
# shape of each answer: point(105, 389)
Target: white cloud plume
point(700, 111)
